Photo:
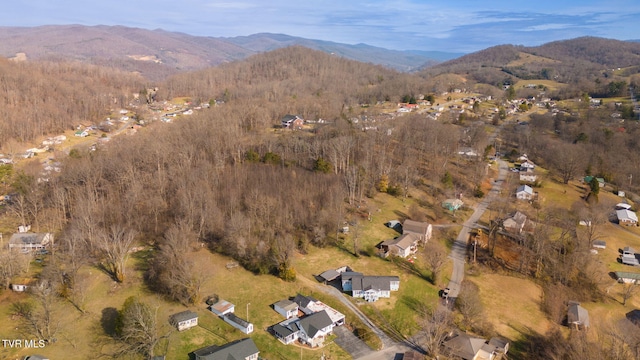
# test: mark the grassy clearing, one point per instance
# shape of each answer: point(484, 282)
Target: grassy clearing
point(511, 305)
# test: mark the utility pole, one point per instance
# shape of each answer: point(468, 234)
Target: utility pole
point(248, 311)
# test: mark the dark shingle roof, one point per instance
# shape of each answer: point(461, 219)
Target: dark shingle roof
point(313, 323)
point(286, 304)
point(237, 350)
point(303, 301)
point(242, 322)
point(182, 316)
point(373, 282)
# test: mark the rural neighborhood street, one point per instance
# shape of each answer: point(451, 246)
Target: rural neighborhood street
point(459, 250)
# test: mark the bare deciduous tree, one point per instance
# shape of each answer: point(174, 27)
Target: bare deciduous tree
point(113, 247)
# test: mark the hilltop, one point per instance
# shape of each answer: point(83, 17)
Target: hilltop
point(158, 53)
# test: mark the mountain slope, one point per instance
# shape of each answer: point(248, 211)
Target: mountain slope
point(158, 53)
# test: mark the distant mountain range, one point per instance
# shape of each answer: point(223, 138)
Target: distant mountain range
point(158, 53)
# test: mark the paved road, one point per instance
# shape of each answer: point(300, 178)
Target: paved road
point(459, 250)
point(350, 343)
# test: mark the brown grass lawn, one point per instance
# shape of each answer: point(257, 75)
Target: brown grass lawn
point(511, 305)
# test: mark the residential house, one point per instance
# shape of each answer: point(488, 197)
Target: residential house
point(238, 323)
point(309, 305)
point(466, 347)
point(452, 204)
point(527, 164)
point(286, 332)
point(524, 192)
point(626, 217)
point(628, 277)
point(30, 241)
point(528, 176)
point(577, 316)
point(244, 349)
point(286, 308)
point(314, 328)
point(184, 320)
point(81, 133)
point(515, 223)
point(21, 284)
point(402, 246)
point(371, 288)
point(421, 229)
point(222, 307)
point(294, 122)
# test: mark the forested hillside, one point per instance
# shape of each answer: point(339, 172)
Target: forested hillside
point(50, 97)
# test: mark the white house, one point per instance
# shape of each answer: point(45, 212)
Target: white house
point(184, 320)
point(238, 323)
point(30, 241)
point(527, 164)
point(286, 308)
point(309, 305)
point(627, 217)
point(371, 288)
point(402, 246)
point(528, 176)
point(222, 308)
point(524, 192)
point(421, 229)
point(314, 328)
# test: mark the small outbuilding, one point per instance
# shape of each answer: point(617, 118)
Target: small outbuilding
point(184, 320)
point(577, 316)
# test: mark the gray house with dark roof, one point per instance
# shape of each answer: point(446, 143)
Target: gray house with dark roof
point(244, 349)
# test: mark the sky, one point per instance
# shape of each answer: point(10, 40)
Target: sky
point(429, 25)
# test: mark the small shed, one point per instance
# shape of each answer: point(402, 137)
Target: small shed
point(577, 316)
point(184, 320)
point(599, 244)
point(222, 307)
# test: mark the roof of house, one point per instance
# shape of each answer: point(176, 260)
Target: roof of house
point(290, 117)
point(281, 331)
point(233, 318)
point(28, 238)
point(626, 215)
point(315, 322)
point(221, 306)
point(286, 305)
point(623, 206)
point(237, 350)
point(373, 282)
point(330, 275)
point(627, 275)
point(412, 355)
point(464, 346)
point(577, 314)
point(418, 227)
point(303, 301)
point(182, 316)
point(348, 275)
point(403, 241)
point(525, 188)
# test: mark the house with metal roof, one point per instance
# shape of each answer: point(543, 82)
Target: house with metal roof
point(577, 316)
point(626, 217)
point(30, 241)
